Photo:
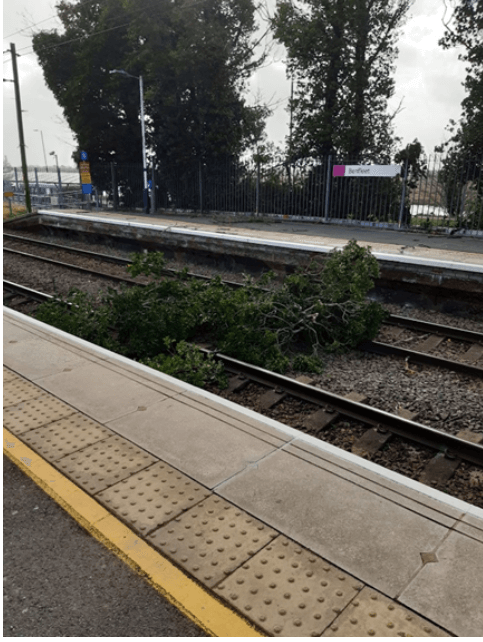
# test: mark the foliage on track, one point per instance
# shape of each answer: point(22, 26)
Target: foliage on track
point(317, 310)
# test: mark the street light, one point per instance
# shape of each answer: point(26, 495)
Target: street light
point(43, 147)
point(143, 133)
point(58, 176)
point(56, 159)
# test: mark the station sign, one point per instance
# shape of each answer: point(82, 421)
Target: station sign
point(85, 174)
point(366, 170)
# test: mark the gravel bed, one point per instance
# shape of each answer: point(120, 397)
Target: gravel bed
point(51, 279)
point(444, 400)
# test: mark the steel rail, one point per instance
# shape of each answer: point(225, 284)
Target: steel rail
point(435, 328)
point(440, 441)
point(422, 358)
point(22, 290)
point(70, 266)
point(66, 248)
point(104, 257)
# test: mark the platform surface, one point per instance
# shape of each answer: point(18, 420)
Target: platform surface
point(400, 245)
point(299, 537)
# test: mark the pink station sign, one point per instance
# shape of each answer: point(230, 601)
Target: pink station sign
point(366, 170)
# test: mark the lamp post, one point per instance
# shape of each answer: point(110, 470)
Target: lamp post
point(58, 176)
point(56, 159)
point(143, 133)
point(43, 147)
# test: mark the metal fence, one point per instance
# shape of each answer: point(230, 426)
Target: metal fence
point(49, 187)
point(448, 193)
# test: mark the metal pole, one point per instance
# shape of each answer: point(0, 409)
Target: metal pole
point(43, 148)
point(153, 189)
point(143, 132)
point(60, 181)
point(115, 204)
point(403, 196)
point(20, 128)
point(327, 189)
point(200, 176)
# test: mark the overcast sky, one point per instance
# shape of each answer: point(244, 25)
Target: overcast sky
point(428, 80)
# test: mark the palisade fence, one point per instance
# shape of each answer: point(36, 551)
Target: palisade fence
point(448, 195)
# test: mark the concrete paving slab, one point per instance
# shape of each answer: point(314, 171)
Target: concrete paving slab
point(9, 375)
point(374, 615)
point(288, 591)
point(27, 354)
point(104, 463)
point(32, 329)
point(241, 418)
point(12, 331)
point(152, 497)
point(65, 436)
point(397, 491)
point(33, 413)
point(450, 591)
point(99, 392)
point(212, 539)
point(17, 390)
point(362, 532)
point(471, 526)
point(200, 445)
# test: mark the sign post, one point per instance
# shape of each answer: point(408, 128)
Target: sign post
point(85, 174)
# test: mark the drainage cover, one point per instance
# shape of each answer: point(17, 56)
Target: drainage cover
point(154, 496)
point(100, 465)
point(375, 615)
point(65, 436)
point(289, 591)
point(212, 539)
point(34, 413)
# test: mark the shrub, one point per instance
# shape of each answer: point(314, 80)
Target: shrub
point(320, 309)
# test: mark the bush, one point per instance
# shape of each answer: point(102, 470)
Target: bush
point(320, 309)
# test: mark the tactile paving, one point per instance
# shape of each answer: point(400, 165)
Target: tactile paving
point(212, 539)
point(153, 496)
point(17, 390)
point(9, 375)
point(66, 436)
point(102, 464)
point(372, 614)
point(289, 591)
point(34, 413)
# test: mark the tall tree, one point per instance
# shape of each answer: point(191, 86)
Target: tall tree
point(465, 29)
point(341, 53)
point(194, 56)
point(462, 172)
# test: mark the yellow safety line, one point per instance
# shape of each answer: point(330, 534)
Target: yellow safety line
point(190, 598)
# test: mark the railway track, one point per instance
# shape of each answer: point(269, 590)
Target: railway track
point(428, 337)
point(325, 413)
point(375, 428)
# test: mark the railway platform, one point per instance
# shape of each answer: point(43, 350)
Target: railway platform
point(248, 526)
point(434, 270)
point(451, 251)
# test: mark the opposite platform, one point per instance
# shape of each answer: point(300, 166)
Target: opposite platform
point(299, 537)
point(398, 246)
